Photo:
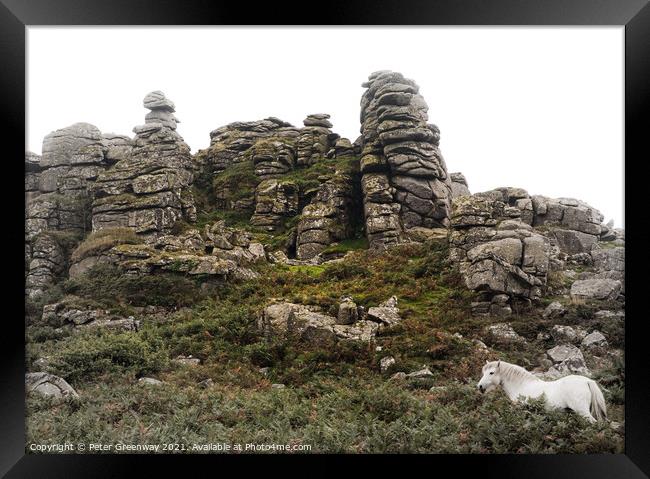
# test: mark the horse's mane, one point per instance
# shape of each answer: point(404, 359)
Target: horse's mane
point(512, 371)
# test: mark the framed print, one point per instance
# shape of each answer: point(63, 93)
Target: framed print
point(396, 234)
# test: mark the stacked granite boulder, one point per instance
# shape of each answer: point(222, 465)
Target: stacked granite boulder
point(405, 181)
point(342, 147)
point(32, 175)
point(228, 144)
point(73, 157)
point(573, 225)
point(57, 199)
point(499, 255)
point(328, 218)
point(275, 200)
point(46, 262)
point(458, 185)
point(272, 158)
point(506, 241)
point(315, 139)
point(148, 188)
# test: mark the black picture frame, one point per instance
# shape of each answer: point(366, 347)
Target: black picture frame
point(16, 15)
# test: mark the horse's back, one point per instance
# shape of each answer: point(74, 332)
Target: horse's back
point(570, 389)
point(573, 379)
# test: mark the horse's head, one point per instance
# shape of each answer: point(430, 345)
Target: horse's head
point(491, 376)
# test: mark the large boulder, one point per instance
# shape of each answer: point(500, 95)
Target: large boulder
point(387, 313)
point(554, 310)
point(573, 242)
point(348, 312)
point(502, 333)
point(601, 289)
point(567, 213)
point(49, 385)
point(308, 323)
point(563, 352)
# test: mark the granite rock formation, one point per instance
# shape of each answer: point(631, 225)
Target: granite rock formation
point(497, 252)
point(301, 190)
point(459, 185)
point(58, 194)
point(328, 218)
point(228, 144)
point(408, 184)
point(148, 189)
point(507, 241)
point(315, 139)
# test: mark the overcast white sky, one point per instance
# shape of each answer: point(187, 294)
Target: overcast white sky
point(537, 108)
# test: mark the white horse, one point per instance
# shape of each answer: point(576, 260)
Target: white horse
point(577, 393)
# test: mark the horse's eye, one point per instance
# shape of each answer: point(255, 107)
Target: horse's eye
point(492, 372)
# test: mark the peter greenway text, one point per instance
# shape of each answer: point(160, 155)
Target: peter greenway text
point(171, 447)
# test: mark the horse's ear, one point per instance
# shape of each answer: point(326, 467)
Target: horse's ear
point(486, 361)
point(498, 363)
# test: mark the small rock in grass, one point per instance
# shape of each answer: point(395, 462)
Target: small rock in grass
point(206, 383)
point(150, 381)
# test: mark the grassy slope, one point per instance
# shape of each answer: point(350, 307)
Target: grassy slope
point(336, 399)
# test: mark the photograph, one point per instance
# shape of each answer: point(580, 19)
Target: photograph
point(233, 247)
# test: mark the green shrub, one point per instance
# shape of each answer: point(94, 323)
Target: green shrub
point(86, 356)
point(345, 270)
point(109, 285)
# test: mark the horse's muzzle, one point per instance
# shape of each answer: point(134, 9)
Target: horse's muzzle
point(482, 389)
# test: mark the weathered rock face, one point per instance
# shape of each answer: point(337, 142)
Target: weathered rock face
point(314, 140)
point(47, 262)
point(309, 324)
point(272, 158)
point(275, 199)
point(57, 199)
point(573, 226)
point(459, 185)
point(506, 242)
point(328, 218)
point(147, 190)
point(57, 184)
point(401, 151)
point(568, 213)
point(497, 252)
point(229, 143)
point(219, 253)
